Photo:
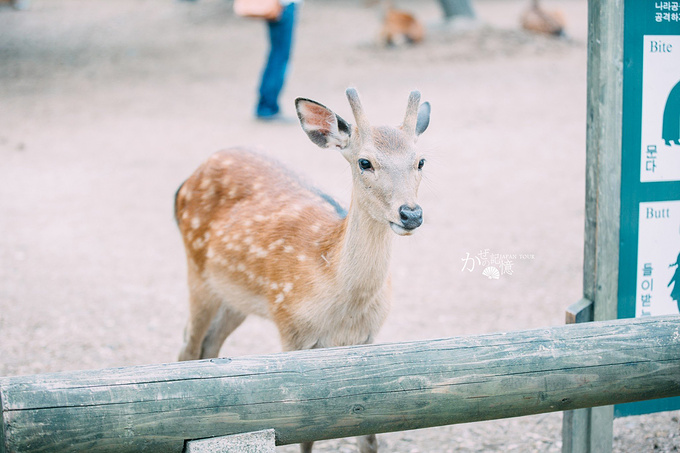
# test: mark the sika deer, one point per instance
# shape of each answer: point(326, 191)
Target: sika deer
point(538, 20)
point(259, 241)
point(399, 25)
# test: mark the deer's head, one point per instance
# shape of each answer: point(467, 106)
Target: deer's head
point(386, 164)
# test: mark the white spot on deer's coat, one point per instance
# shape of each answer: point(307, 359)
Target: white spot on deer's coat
point(195, 223)
point(209, 194)
point(199, 243)
point(259, 252)
point(287, 287)
point(275, 244)
point(279, 298)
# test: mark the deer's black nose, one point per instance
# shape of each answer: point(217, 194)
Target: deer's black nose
point(411, 218)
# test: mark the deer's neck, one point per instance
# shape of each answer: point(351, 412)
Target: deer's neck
point(363, 254)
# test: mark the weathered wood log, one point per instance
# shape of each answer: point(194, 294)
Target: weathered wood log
point(328, 393)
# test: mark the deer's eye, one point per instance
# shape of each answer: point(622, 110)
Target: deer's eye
point(421, 164)
point(365, 164)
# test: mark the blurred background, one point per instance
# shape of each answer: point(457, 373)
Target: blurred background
point(107, 106)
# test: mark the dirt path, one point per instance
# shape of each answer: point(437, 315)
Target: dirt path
point(105, 107)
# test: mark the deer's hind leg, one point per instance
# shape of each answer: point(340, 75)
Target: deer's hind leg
point(203, 308)
point(223, 324)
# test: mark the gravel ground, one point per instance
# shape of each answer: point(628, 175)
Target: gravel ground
point(105, 107)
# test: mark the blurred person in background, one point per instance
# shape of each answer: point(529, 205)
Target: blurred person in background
point(274, 73)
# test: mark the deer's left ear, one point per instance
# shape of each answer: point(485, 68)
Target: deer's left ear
point(423, 118)
point(322, 125)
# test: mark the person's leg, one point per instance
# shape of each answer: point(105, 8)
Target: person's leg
point(274, 74)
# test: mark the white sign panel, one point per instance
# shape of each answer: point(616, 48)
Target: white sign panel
point(660, 109)
point(658, 270)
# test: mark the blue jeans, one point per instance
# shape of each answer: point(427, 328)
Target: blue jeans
point(274, 74)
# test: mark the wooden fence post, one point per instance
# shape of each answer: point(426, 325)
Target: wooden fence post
point(591, 430)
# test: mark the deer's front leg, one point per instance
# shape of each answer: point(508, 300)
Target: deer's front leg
point(368, 444)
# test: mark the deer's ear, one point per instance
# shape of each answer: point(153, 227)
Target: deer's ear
point(423, 118)
point(322, 125)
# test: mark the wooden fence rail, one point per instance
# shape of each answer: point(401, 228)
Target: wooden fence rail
point(329, 393)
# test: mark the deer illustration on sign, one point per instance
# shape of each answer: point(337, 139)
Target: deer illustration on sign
point(675, 281)
point(671, 117)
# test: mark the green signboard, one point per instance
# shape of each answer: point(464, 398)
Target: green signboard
point(649, 253)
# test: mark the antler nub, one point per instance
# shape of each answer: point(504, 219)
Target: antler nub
point(411, 117)
point(359, 116)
